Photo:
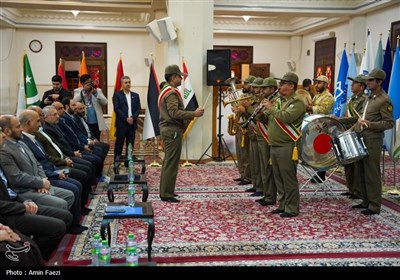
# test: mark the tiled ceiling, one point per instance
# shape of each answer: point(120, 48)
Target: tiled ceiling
point(266, 17)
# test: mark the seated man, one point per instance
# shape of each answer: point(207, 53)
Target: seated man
point(17, 249)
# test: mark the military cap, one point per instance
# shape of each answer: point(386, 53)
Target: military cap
point(358, 79)
point(174, 69)
point(249, 79)
point(269, 82)
point(289, 77)
point(322, 78)
point(257, 82)
point(376, 73)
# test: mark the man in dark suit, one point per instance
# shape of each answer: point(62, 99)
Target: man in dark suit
point(30, 123)
point(127, 108)
point(84, 130)
point(47, 224)
point(24, 172)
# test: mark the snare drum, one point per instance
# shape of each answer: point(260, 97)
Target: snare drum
point(349, 147)
point(317, 133)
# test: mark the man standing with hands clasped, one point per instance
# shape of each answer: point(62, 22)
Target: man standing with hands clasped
point(173, 122)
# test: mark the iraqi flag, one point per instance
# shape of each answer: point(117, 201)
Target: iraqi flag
point(151, 126)
point(188, 96)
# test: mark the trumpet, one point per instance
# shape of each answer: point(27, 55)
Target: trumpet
point(258, 109)
point(226, 102)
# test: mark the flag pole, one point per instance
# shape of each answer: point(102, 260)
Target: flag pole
point(187, 163)
point(395, 190)
point(154, 143)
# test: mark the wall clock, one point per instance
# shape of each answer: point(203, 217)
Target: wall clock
point(35, 46)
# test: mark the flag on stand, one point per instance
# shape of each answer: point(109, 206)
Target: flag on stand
point(61, 72)
point(151, 126)
point(28, 94)
point(189, 98)
point(379, 54)
point(117, 87)
point(387, 65)
point(392, 136)
point(368, 61)
point(83, 68)
point(339, 107)
point(352, 72)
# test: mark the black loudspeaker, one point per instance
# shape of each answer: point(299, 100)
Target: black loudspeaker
point(218, 66)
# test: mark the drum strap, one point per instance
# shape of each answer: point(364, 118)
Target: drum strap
point(365, 109)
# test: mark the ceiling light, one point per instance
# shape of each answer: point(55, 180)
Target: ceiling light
point(246, 18)
point(75, 12)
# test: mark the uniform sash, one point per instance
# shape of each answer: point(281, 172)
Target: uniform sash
point(164, 92)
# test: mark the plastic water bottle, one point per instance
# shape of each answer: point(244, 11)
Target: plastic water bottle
point(95, 249)
point(130, 241)
point(131, 195)
point(131, 171)
point(132, 258)
point(129, 155)
point(105, 254)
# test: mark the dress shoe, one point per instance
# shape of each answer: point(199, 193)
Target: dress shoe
point(287, 215)
point(265, 203)
point(277, 211)
point(353, 196)
point(369, 212)
point(259, 200)
point(316, 179)
point(359, 206)
point(77, 229)
point(251, 190)
point(257, 194)
point(346, 193)
point(238, 179)
point(244, 182)
point(170, 199)
point(175, 194)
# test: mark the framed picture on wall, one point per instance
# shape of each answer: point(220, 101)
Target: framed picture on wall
point(395, 31)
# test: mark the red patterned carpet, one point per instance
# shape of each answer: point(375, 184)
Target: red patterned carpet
point(217, 223)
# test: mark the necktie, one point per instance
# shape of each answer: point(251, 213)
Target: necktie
point(54, 145)
point(38, 145)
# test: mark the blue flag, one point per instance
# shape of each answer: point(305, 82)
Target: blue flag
point(339, 107)
point(392, 139)
point(387, 65)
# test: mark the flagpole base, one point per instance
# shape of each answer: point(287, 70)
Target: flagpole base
point(187, 164)
point(154, 164)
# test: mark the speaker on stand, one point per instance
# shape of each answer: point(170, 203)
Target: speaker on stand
point(218, 71)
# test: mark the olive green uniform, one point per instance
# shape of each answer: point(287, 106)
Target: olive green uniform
point(270, 190)
point(292, 111)
point(356, 104)
point(379, 112)
point(242, 153)
point(173, 122)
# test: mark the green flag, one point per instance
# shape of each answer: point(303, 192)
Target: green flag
point(31, 93)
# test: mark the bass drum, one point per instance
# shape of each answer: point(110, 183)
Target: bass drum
point(318, 132)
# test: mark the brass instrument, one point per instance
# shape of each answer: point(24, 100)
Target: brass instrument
point(233, 99)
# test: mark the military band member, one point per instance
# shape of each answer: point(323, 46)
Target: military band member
point(173, 122)
point(354, 109)
point(250, 105)
point(242, 140)
point(269, 91)
point(377, 116)
point(284, 125)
